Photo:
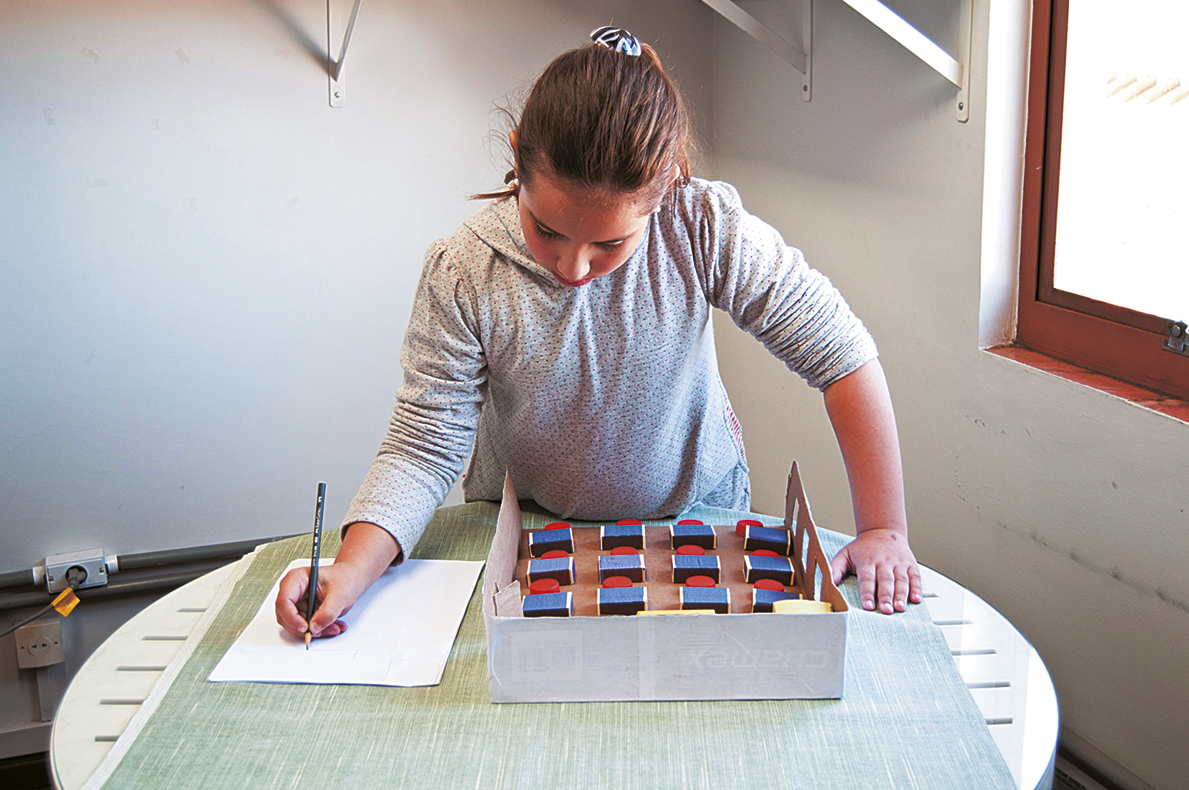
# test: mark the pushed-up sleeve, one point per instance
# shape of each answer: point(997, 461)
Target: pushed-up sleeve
point(771, 292)
point(437, 407)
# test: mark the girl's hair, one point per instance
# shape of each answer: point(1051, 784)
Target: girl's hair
point(603, 121)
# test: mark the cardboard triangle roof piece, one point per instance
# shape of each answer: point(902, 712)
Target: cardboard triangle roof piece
point(808, 556)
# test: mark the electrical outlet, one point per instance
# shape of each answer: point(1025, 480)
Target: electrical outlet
point(89, 567)
point(40, 645)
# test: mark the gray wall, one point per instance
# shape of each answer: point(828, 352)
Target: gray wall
point(1061, 506)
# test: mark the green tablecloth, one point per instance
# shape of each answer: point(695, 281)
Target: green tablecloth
point(907, 720)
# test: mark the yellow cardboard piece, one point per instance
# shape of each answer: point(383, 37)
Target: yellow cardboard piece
point(801, 607)
point(65, 602)
point(675, 611)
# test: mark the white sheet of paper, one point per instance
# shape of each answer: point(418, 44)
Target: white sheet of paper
point(399, 633)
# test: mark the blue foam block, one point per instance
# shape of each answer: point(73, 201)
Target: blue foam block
point(716, 598)
point(561, 568)
point(559, 604)
point(616, 535)
point(692, 535)
point(777, 540)
point(622, 600)
point(629, 565)
point(686, 565)
point(778, 568)
point(762, 600)
point(545, 540)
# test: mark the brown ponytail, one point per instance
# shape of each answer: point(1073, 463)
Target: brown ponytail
point(604, 121)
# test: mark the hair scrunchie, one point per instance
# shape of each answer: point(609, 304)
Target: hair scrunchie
point(616, 38)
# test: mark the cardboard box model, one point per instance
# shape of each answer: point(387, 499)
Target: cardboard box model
point(696, 657)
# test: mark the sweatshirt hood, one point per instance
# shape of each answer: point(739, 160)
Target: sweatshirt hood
point(498, 226)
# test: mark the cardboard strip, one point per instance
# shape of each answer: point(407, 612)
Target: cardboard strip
point(501, 562)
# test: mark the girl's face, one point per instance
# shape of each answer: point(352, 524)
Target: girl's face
point(574, 237)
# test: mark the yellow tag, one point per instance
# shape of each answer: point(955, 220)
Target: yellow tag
point(66, 602)
point(801, 607)
point(675, 611)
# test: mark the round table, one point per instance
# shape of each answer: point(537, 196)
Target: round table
point(1004, 673)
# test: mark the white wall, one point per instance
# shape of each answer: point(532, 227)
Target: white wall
point(206, 270)
point(1061, 506)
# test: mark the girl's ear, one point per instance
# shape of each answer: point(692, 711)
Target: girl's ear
point(675, 180)
point(512, 140)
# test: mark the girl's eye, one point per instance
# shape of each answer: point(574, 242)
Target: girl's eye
point(610, 246)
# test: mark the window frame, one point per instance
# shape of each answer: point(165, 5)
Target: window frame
point(1121, 343)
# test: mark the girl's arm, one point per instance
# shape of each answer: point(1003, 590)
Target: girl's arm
point(860, 410)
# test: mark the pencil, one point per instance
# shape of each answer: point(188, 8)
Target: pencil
point(311, 600)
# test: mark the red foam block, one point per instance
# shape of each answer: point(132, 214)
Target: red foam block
point(544, 586)
point(742, 526)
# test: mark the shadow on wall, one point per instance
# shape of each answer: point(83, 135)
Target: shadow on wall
point(305, 41)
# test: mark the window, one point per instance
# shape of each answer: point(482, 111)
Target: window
point(1105, 234)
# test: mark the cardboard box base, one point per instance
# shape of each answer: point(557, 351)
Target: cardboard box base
point(635, 658)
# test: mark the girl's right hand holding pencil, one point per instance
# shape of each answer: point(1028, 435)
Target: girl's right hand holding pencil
point(366, 552)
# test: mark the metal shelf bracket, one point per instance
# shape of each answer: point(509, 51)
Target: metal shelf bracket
point(956, 71)
point(800, 57)
point(334, 68)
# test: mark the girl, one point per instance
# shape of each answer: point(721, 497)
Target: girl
point(565, 331)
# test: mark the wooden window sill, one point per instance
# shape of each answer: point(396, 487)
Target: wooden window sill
point(1165, 404)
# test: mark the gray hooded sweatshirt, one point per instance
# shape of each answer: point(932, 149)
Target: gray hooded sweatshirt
point(604, 401)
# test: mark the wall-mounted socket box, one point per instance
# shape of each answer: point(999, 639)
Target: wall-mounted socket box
point(90, 562)
point(40, 645)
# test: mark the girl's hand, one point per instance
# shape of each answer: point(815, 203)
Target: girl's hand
point(366, 551)
point(887, 570)
point(338, 589)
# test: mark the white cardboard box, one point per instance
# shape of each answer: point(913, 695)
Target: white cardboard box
point(691, 657)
